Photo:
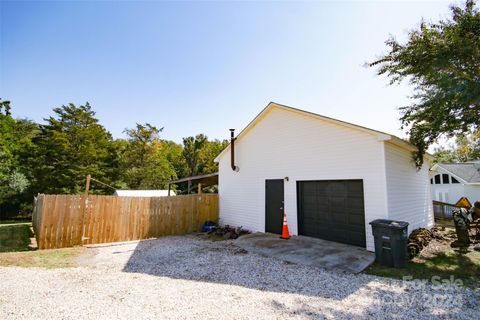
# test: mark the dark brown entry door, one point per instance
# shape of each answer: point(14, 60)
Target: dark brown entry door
point(274, 205)
point(332, 210)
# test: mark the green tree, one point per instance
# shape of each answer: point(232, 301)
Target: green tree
point(442, 61)
point(197, 158)
point(15, 176)
point(444, 155)
point(145, 160)
point(208, 153)
point(174, 153)
point(198, 155)
point(192, 148)
point(465, 148)
point(12, 183)
point(5, 107)
point(115, 169)
point(70, 146)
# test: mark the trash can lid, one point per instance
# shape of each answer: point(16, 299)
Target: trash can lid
point(391, 224)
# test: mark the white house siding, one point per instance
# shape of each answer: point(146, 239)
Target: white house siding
point(449, 193)
point(472, 192)
point(452, 192)
point(288, 144)
point(408, 190)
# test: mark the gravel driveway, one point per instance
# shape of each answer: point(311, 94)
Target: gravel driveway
point(190, 278)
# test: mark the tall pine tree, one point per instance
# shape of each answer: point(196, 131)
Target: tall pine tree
point(69, 147)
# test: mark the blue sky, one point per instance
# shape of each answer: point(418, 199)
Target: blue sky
point(203, 67)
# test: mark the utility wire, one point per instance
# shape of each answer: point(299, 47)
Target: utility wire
point(103, 183)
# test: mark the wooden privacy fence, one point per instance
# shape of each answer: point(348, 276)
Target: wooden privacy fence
point(69, 220)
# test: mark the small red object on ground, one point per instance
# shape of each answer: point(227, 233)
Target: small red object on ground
point(285, 233)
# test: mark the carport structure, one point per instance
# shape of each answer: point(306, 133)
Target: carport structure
point(200, 181)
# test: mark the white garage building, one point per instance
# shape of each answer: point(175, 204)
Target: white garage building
point(331, 177)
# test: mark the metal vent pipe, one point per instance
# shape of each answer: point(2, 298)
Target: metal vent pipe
point(232, 150)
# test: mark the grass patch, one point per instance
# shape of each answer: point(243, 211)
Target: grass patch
point(461, 265)
point(15, 221)
point(14, 250)
point(15, 237)
point(54, 258)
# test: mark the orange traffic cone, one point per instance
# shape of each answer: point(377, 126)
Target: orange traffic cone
point(285, 233)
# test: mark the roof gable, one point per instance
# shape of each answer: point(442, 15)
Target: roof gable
point(466, 171)
point(381, 136)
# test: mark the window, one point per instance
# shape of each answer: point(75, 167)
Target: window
point(445, 178)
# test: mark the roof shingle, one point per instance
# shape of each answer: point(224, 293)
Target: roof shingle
point(468, 171)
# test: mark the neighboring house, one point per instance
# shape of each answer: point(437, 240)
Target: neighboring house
point(143, 193)
point(332, 178)
point(452, 181)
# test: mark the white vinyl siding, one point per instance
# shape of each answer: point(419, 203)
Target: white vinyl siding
point(409, 195)
point(289, 144)
point(455, 191)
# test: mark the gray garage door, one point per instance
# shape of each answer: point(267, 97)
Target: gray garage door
point(332, 210)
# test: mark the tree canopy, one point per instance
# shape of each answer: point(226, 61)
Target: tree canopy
point(192, 146)
point(145, 164)
point(56, 156)
point(71, 145)
point(15, 137)
point(466, 147)
point(442, 61)
point(199, 153)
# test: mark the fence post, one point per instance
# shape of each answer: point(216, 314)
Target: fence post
point(87, 188)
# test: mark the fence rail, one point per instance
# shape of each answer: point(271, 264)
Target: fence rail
point(69, 220)
point(443, 210)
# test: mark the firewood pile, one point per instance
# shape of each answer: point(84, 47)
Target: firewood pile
point(228, 232)
point(419, 239)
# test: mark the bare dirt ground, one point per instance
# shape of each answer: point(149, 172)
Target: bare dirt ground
point(190, 278)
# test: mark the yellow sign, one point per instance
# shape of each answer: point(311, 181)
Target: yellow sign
point(464, 203)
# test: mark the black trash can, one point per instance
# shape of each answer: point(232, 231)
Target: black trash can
point(391, 239)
